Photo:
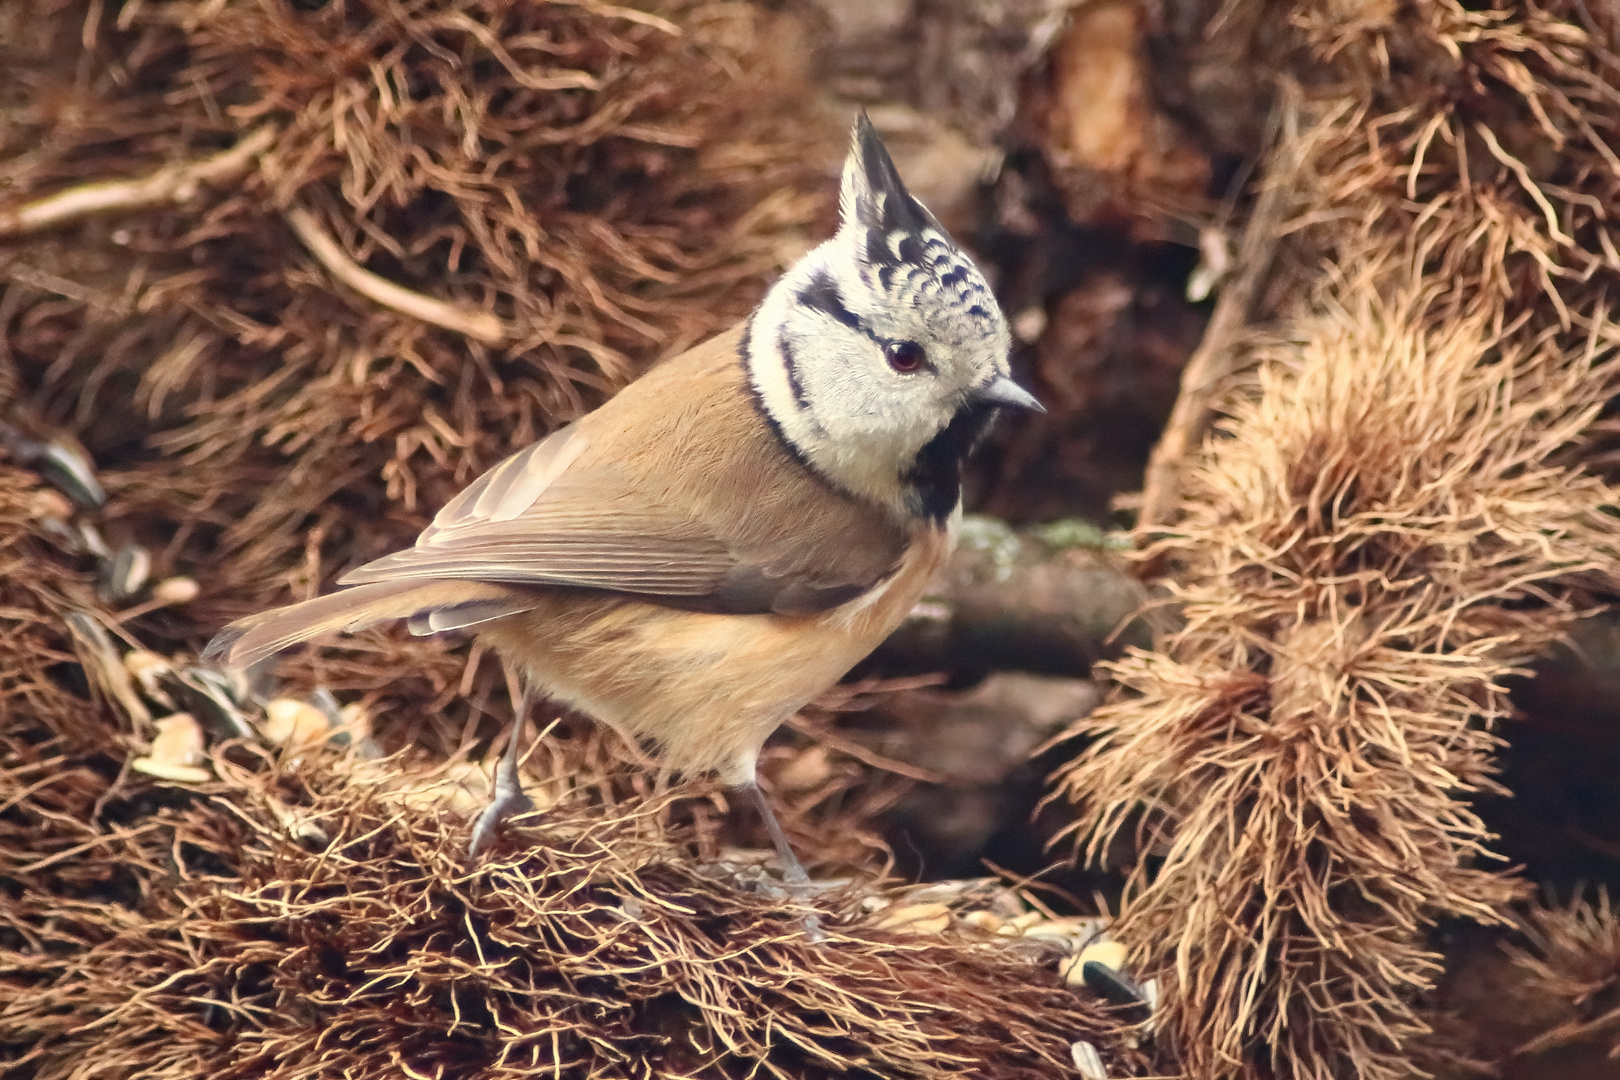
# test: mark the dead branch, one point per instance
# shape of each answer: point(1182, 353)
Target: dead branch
point(481, 325)
point(1022, 600)
point(1215, 360)
point(177, 183)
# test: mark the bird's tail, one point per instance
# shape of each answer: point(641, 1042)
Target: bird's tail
point(431, 606)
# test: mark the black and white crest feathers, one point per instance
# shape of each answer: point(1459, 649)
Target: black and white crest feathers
point(821, 346)
point(902, 248)
point(873, 193)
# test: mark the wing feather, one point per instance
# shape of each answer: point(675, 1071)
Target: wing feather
point(654, 521)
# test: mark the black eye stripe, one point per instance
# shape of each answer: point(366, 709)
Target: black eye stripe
point(790, 364)
point(822, 295)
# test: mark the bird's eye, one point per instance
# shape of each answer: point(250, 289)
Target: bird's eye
point(906, 357)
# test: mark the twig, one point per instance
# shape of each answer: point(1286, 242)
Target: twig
point(177, 183)
point(866, 756)
point(1215, 359)
point(481, 325)
point(1024, 600)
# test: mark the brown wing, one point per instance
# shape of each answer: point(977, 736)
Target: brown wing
point(537, 519)
point(676, 492)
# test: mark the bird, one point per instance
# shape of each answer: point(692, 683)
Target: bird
point(719, 543)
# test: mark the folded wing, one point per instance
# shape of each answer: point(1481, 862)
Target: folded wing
point(555, 514)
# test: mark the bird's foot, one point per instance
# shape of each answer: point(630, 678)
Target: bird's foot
point(499, 810)
point(797, 883)
point(508, 801)
point(811, 923)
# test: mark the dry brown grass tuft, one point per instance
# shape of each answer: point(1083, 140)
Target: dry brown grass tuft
point(36, 592)
point(347, 255)
point(1570, 968)
point(1381, 540)
point(1536, 1001)
point(1394, 521)
point(292, 920)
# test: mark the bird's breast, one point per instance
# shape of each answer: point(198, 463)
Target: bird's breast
point(879, 611)
point(708, 687)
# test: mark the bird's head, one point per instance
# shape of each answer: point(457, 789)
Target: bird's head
point(881, 356)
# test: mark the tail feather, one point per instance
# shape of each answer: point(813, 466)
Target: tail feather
point(462, 616)
point(250, 640)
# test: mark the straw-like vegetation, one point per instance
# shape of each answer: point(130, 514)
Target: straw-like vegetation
point(291, 272)
point(578, 188)
point(294, 273)
point(293, 920)
point(1569, 978)
point(1392, 522)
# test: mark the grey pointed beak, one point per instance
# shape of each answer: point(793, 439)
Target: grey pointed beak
point(1002, 391)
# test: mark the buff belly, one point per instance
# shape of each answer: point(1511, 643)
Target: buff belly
point(706, 689)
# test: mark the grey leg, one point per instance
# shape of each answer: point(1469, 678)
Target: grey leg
point(798, 882)
point(792, 872)
point(508, 799)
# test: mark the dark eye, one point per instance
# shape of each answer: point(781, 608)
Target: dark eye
point(905, 357)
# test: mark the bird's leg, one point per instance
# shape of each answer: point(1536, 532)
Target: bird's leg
point(508, 799)
point(792, 871)
point(798, 882)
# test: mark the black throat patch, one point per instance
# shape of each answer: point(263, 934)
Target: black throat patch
point(934, 481)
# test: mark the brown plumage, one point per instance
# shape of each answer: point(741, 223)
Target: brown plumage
point(714, 547)
point(665, 564)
